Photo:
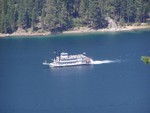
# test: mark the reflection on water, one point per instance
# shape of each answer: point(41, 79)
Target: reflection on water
point(70, 71)
point(76, 70)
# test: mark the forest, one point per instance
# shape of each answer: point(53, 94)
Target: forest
point(61, 15)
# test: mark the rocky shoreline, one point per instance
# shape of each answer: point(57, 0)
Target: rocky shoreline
point(89, 30)
point(76, 31)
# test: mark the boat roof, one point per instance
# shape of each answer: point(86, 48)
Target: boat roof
point(63, 54)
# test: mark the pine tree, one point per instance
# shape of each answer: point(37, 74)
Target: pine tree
point(1, 15)
point(103, 23)
point(130, 9)
point(11, 16)
point(94, 14)
point(35, 14)
point(83, 11)
point(4, 19)
point(43, 18)
point(55, 15)
point(51, 15)
point(21, 13)
point(33, 17)
point(63, 17)
point(139, 8)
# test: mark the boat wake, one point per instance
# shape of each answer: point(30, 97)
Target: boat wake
point(103, 61)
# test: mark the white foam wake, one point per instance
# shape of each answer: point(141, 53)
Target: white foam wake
point(102, 61)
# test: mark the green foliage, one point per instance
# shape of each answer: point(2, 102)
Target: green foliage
point(77, 22)
point(94, 14)
point(122, 22)
point(59, 15)
point(145, 59)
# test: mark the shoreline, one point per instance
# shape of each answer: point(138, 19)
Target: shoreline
point(15, 34)
point(89, 30)
point(78, 31)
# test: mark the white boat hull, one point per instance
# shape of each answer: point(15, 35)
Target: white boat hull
point(67, 65)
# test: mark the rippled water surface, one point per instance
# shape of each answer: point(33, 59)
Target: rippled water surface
point(117, 82)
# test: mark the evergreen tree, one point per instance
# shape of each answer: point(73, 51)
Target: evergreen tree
point(42, 18)
point(130, 10)
point(94, 14)
point(63, 17)
point(83, 11)
point(139, 10)
point(4, 19)
point(51, 15)
point(35, 14)
point(1, 16)
point(21, 13)
point(11, 16)
point(56, 15)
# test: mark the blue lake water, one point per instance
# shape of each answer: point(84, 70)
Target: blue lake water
point(120, 86)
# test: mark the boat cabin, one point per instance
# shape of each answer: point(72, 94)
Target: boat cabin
point(63, 55)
